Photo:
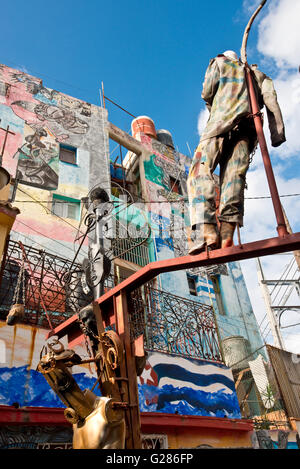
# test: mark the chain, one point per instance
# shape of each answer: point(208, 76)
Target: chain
point(87, 347)
point(253, 153)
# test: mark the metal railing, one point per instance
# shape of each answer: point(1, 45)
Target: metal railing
point(55, 278)
point(133, 250)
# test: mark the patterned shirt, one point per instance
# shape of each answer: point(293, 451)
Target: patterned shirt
point(225, 92)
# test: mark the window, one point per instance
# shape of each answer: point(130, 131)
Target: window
point(175, 186)
point(65, 207)
point(67, 154)
point(192, 285)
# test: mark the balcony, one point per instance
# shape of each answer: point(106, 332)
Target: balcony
point(133, 250)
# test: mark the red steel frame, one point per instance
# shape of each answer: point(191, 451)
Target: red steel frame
point(277, 245)
point(114, 305)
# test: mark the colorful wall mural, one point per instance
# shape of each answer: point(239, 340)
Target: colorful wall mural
point(20, 382)
point(35, 122)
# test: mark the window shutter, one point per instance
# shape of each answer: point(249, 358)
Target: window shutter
point(67, 155)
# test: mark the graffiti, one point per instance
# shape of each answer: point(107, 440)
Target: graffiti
point(52, 113)
point(66, 118)
point(163, 149)
point(38, 158)
point(169, 169)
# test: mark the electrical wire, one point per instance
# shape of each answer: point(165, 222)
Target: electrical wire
point(180, 199)
point(48, 209)
point(46, 248)
point(286, 272)
point(284, 298)
point(50, 77)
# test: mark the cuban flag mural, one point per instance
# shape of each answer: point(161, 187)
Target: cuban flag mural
point(176, 385)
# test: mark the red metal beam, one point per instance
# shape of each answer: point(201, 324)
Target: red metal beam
point(281, 226)
point(267, 247)
point(10, 415)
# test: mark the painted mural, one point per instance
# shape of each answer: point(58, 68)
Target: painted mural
point(35, 437)
point(20, 383)
point(176, 385)
point(38, 120)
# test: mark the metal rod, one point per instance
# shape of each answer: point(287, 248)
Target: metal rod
point(281, 226)
point(7, 131)
point(111, 101)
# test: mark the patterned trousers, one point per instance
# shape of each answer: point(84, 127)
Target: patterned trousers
point(231, 151)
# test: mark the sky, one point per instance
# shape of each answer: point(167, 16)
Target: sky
point(151, 56)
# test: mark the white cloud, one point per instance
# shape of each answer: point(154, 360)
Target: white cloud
point(250, 5)
point(287, 86)
point(202, 119)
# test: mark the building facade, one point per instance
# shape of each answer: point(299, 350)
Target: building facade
point(56, 149)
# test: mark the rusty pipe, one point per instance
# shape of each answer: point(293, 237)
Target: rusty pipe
point(281, 226)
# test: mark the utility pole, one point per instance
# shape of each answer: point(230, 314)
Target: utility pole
point(278, 340)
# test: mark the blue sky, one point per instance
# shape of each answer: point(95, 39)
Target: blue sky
point(151, 55)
